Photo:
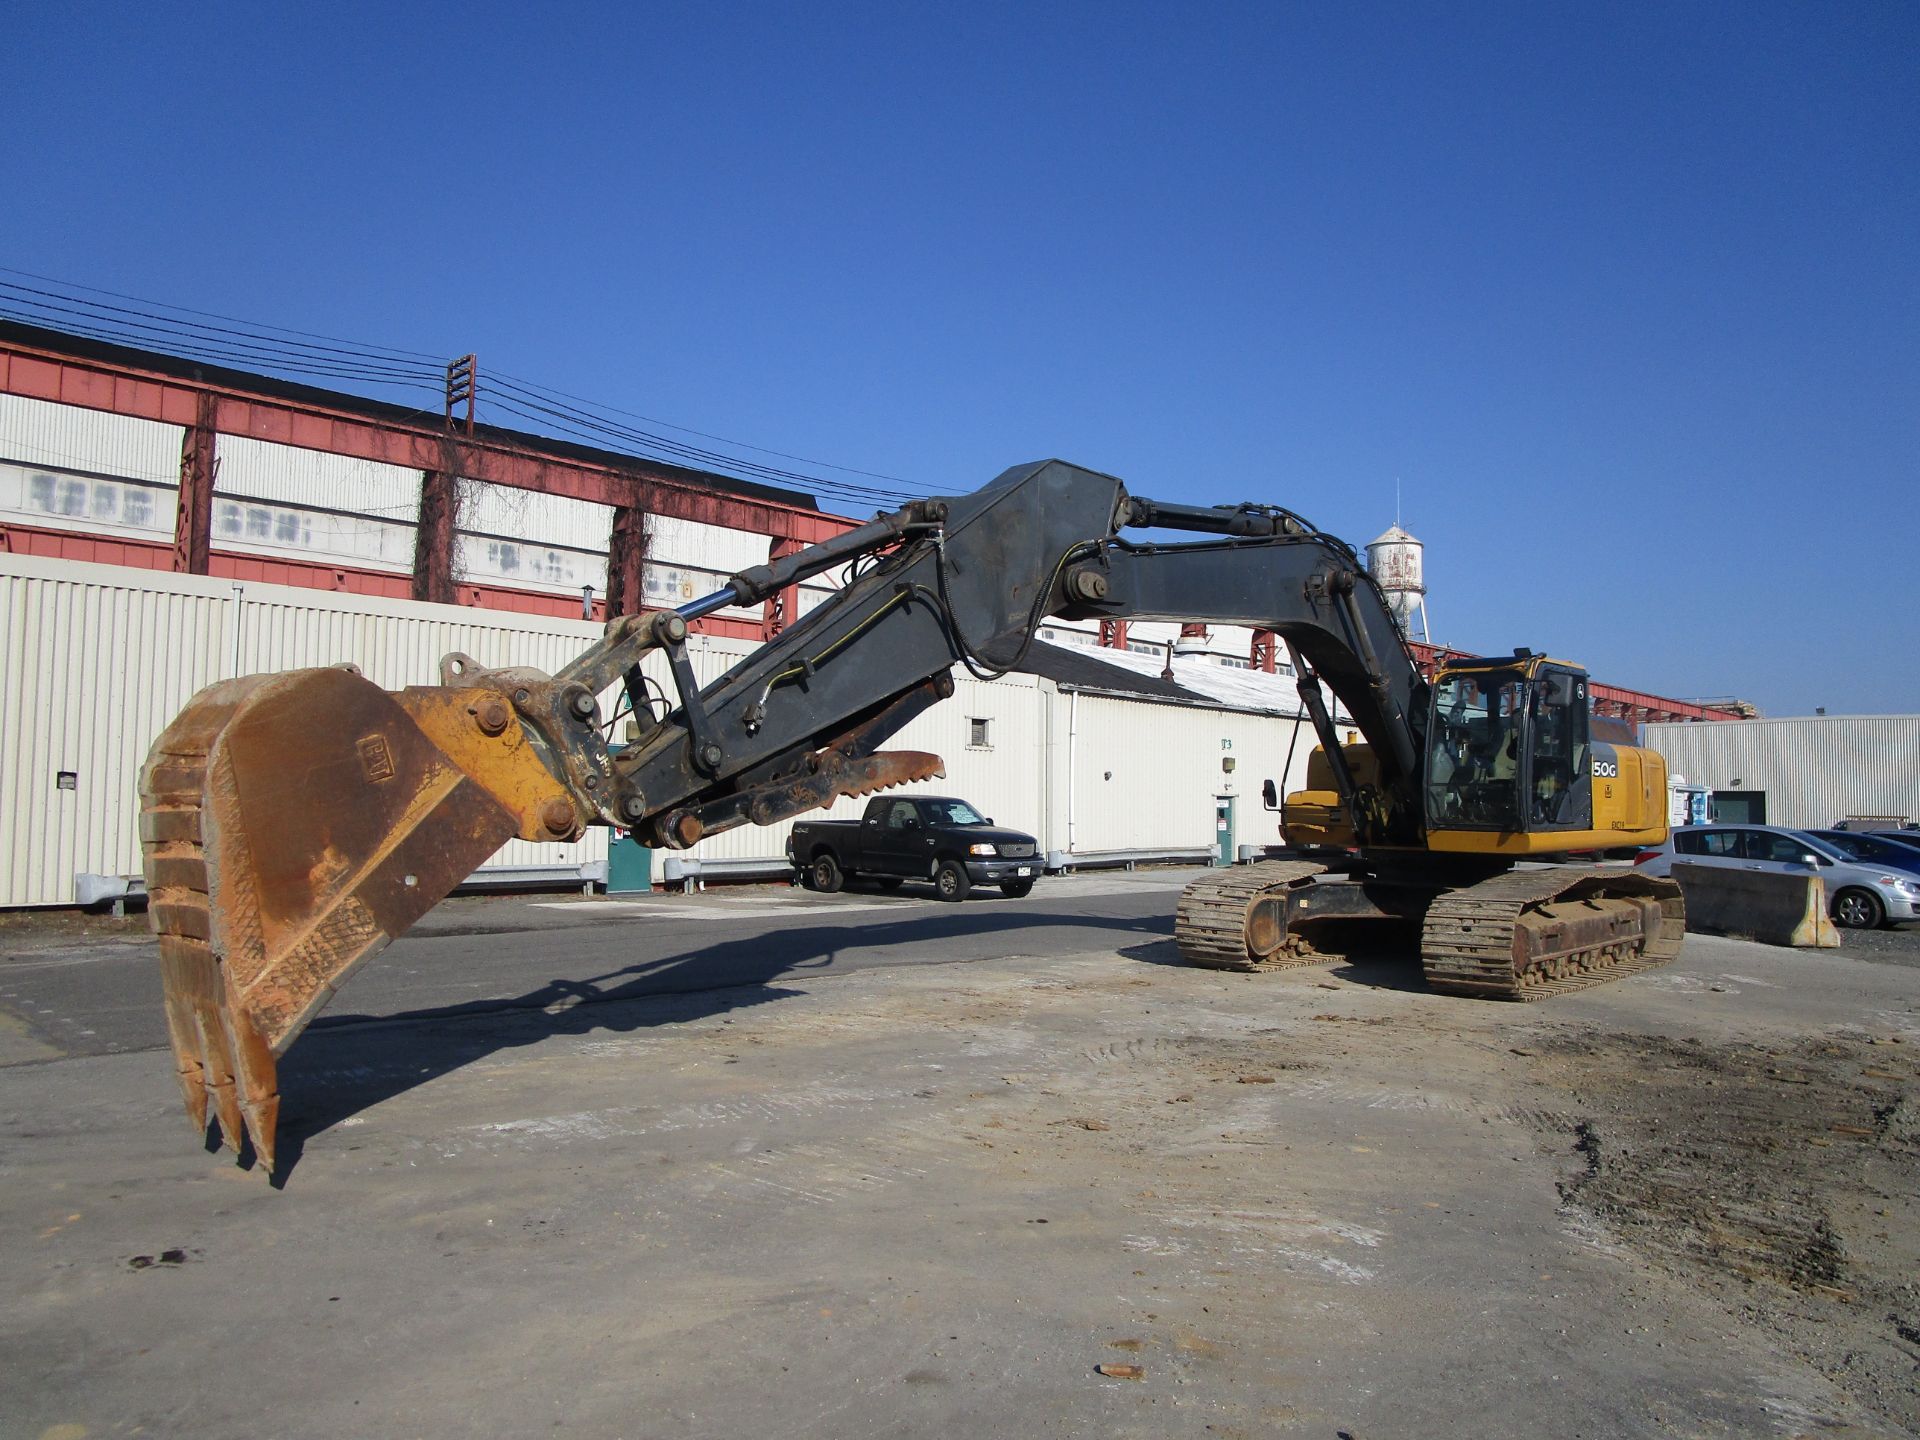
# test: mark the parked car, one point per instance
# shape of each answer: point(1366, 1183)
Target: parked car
point(909, 837)
point(1906, 839)
point(1859, 896)
point(1874, 848)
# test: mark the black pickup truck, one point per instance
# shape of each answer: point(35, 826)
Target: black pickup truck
point(915, 837)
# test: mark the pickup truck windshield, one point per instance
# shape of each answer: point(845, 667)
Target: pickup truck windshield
point(952, 812)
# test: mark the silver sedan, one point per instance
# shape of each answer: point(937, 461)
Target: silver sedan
point(1859, 896)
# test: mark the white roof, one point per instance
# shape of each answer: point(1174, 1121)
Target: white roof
point(1223, 684)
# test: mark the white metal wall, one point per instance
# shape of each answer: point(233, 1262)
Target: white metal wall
point(58, 469)
point(674, 541)
point(1815, 769)
point(1146, 775)
point(92, 667)
point(96, 659)
point(67, 437)
point(263, 470)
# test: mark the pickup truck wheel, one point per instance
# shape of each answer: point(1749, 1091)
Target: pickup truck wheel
point(951, 881)
point(825, 874)
point(1016, 889)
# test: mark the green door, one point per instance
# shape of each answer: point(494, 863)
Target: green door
point(629, 866)
point(1223, 829)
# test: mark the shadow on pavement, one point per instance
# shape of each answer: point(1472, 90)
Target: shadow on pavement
point(346, 1063)
point(1378, 954)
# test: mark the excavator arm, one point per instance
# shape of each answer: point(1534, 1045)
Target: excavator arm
point(294, 824)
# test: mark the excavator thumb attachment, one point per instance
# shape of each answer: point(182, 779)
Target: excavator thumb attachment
point(292, 825)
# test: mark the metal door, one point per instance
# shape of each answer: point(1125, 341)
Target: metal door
point(897, 843)
point(1223, 829)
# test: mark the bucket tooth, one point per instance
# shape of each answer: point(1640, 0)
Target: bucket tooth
point(183, 1026)
point(218, 1062)
point(259, 1089)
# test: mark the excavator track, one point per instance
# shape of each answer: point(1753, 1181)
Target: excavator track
point(1530, 934)
point(1221, 922)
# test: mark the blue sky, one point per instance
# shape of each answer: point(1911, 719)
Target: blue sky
point(1625, 297)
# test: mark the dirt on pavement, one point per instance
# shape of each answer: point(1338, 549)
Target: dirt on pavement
point(1783, 1181)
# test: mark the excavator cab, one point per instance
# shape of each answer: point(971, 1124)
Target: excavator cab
point(1509, 751)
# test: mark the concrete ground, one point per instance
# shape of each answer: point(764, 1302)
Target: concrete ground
point(928, 1200)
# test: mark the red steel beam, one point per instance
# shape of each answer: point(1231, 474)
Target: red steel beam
point(1262, 652)
point(193, 517)
point(627, 561)
point(781, 608)
point(127, 390)
point(433, 537)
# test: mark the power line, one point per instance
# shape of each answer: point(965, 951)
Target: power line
point(235, 340)
point(251, 343)
point(599, 435)
point(704, 435)
point(201, 350)
point(511, 394)
point(210, 315)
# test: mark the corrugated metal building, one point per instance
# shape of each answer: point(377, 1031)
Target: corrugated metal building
point(96, 659)
point(1803, 771)
point(67, 468)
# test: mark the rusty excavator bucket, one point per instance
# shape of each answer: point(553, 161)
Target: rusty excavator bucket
point(292, 825)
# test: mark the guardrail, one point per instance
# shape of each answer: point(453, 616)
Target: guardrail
point(1063, 861)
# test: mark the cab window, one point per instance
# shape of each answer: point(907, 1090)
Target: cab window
point(1473, 771)
point(1562, 754)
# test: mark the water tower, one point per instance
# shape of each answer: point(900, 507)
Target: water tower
point(1394, 560)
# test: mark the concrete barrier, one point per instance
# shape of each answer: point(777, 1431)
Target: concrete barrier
point(1773, 907)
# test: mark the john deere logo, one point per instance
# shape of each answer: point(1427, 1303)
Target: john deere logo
point(376, 759)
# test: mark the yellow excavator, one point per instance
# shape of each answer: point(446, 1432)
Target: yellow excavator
point(293, 824)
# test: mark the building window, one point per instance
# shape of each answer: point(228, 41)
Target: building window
point(979, 734)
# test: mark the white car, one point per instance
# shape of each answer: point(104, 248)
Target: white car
point(1859, 896)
